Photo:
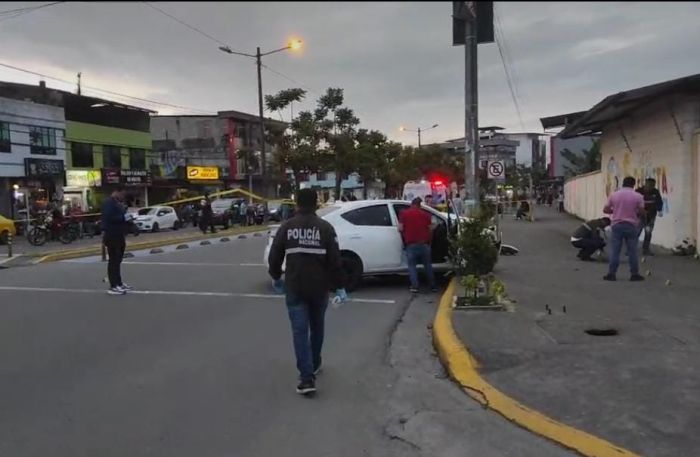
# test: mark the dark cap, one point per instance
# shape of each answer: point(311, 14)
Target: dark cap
point(416, 201)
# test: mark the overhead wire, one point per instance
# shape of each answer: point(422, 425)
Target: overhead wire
point(106, 91)
point(13, 13)
point(507, 70)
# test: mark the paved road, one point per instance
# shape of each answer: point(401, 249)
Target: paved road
point(639, 389)
point(200, 363)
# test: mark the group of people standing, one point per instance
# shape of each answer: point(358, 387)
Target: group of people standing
point(630, 212)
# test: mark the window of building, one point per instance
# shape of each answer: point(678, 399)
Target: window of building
point(321, 176)
point(112, 156)
point(82, 155)
point(137, 159)
point(5, 144)
point(377, 215)
point(42, 140)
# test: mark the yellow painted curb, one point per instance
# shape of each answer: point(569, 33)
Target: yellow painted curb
point(461, 366)
point(95, 250)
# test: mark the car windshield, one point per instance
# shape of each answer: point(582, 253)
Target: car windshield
point(222, 204)
point(326, 210)
point(147, 211)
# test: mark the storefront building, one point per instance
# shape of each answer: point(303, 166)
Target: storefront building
point(32, 155)
point(99, 139)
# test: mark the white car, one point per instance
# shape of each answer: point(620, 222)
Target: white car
point(154, 218)
point(369, 238)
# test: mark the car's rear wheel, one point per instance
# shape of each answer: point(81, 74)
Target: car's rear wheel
point(352, 267)
point(176, 225)
point(155, 227)
point(4, 236)
point(225, 224)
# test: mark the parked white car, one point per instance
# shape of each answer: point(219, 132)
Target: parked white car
point(369, 239)
point(154, 218)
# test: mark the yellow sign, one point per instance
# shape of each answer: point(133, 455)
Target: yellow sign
point(203, 173)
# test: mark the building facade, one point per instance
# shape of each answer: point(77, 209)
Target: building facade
point(104, 144)
point(650, 132)
point(224, 147)
point(558, 164)
point(32, 154)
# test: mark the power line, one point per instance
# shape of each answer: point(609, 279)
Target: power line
point(222, 43)
point(509, 79)
point(189, 26)
point(105, 91)
point(11, 14)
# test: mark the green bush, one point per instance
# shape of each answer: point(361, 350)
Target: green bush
point(472, 250)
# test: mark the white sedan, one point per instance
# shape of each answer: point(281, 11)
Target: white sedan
point(369, 239)
point(154, 218)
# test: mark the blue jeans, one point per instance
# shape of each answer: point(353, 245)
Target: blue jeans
point(307, 319)
point(627, 233)
point(416, 253)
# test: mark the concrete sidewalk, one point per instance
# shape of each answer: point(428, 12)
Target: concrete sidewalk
point(639, 390)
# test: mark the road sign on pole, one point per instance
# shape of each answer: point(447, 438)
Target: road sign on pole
point(497, 170)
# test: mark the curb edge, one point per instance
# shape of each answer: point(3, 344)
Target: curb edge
point(462, 368)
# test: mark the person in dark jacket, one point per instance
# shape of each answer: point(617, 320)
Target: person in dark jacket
point(115, 223)
point(588, 237)
point(310, 247)
point(653, 205)
point(207, 220)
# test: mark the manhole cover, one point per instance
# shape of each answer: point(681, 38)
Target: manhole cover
point(602, 332)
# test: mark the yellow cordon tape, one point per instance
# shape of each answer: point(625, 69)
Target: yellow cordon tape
point(177, 202)
point(463, 369)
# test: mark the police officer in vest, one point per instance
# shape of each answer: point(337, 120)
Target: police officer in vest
point(310, 247)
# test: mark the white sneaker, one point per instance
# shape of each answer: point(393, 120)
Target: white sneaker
point(116, 291)
point(126, 287)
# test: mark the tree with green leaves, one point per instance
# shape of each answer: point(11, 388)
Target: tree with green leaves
point(338, 129)
point(586, 162)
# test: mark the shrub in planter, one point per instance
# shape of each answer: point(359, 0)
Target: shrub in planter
point(472, 251)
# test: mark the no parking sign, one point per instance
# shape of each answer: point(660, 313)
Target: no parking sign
point(497, 170)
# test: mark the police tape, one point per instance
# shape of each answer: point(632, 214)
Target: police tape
point(242, 191)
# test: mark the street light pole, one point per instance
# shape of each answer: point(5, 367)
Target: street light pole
point(471, 102)
point(293, 45)
point(419, 131)
point(263, 169)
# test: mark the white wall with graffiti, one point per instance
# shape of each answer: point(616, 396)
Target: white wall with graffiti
point(656, 141)
point(585, 196)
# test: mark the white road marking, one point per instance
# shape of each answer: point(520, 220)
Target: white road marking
point(175, 292)
point(198, 264)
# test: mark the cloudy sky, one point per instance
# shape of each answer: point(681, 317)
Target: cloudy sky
point(394, 60)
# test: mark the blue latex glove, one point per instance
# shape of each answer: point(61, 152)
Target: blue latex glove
point(340, 298)
point(278, 286)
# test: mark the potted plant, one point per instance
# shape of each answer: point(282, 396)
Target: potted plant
point(474, 257)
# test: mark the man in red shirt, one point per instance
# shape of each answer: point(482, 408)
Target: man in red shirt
point(415, 225)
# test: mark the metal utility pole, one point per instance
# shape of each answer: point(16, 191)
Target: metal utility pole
point(419, 131)
point(293, 45)
point(263, 169)
point(471, 113)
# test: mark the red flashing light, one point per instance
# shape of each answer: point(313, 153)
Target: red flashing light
point(438, 183)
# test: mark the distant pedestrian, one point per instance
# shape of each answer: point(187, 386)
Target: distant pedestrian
point(115, 223)
point(415, 225)
point(243, 212)
point(653, 206)
point(207, 220)
point(560, 202)
point(589, 237)
point(550, 198)
point(626, 207)
point(310, 247)
point(523, 211)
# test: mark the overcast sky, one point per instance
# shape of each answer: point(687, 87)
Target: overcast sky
point(394, 60)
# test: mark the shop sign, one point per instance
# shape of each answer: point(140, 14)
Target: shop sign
point(83, 178)
point(136, 177)
point(111, 176)
point(43, 167)
point(202, 173)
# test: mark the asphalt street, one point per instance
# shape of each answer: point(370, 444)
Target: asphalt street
point(199, 362)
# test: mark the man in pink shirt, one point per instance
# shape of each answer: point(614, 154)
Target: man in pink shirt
point(626, 206)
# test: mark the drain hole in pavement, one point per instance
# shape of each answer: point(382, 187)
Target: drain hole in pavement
point(602, 332)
